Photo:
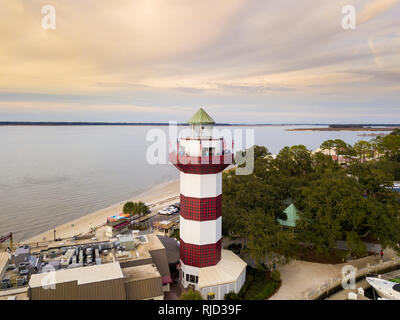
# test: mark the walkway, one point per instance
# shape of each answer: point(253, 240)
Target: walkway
point(301, 279)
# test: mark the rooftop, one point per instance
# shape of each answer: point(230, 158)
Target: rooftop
point(201, 117)
point(142, 272)
point(291, 216)
point(90, 274)
point(227, 270)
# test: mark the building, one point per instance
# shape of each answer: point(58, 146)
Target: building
point(22, 254)
point(128, 267)
point(98, 282)
point(143, 283)
point(292, 216)
point(149, 250)
point(201, 158)
point(165, 228)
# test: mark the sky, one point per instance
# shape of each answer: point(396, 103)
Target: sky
point(243, 61)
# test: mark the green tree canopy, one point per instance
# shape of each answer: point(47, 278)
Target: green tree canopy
point(353, 203)
point(134, 208)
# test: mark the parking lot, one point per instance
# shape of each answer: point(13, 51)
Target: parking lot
point(154, 216)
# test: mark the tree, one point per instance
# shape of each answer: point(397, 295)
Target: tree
point(352, 203)
point(376, 147)
point(141, 208)
point(191, 295)
point(129, 208)
point(391, 146)
point(135, 208)
point(363, 149)
point(373, 180)
point(395, 132)
point(343, 148)
point(266, 239)
point(328, 145)
point(275, 275)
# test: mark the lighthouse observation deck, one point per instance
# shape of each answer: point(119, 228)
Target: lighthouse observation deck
point(200, 155)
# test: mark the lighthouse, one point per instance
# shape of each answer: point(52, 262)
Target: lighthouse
point(201, 159)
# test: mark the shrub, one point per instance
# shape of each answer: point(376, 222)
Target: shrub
point(275, 275)
point(191, 295)
point(231, 296)
point(266, 292)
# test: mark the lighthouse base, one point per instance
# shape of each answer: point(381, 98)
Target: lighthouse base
point(213, 282)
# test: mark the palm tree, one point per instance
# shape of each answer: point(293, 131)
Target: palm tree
point(129, 208)
point(134, 208)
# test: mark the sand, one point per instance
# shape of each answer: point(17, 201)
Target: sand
point(157, 197)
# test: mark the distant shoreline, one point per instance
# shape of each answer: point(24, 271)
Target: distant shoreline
point(24, 123)
point(344, 129)
point(82, 123)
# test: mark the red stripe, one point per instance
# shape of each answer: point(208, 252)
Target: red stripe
point(201, 165)
point(201, 209)
point(200, 256)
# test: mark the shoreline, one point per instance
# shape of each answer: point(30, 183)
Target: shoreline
point(343, 129)
point(157, 193)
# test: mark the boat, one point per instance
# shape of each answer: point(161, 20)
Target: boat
point(386, 289)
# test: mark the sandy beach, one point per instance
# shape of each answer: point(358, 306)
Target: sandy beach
point(84, 224)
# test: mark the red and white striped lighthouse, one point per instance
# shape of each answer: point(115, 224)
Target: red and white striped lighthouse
point(200, 158)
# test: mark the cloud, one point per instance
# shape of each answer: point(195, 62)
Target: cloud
point(143, 55)
point(374, 8)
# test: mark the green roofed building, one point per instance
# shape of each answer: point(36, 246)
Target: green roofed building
point(291, 216)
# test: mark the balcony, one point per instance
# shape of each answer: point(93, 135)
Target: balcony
point(201, 164)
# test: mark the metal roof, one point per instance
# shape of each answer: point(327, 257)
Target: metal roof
point(291, 216)
point(83, 275)
point(227, 270)
point(201, 117)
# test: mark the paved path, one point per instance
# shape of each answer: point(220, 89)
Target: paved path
point(299, 276)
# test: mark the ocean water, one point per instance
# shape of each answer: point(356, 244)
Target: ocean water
point(51, 175)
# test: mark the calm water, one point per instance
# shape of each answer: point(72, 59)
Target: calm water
point(51, 175)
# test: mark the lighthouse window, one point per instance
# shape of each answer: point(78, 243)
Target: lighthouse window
point(191, 278)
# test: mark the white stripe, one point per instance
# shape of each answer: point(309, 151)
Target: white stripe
point(201, 185)
point(200, 232)
point(189, 269)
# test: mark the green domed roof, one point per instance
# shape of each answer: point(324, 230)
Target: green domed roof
point(201, 117)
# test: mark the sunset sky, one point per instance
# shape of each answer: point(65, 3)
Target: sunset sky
point(277, 61)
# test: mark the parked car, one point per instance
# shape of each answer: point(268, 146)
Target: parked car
point(165, 211)
point(173, 209)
